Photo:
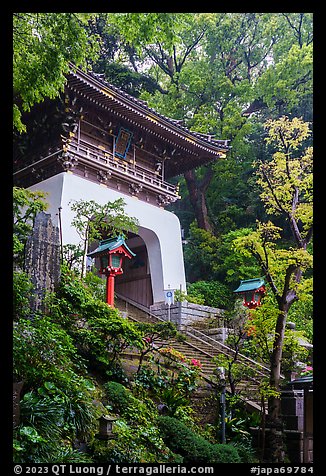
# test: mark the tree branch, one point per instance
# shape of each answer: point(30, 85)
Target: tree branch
point(266, 272)
point(271, 188)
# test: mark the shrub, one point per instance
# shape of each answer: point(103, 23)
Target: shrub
point(215, 293)
point(194, 448)
point(50, 420)
point(42, 351)
point(96, 285)
point(22, 289)
point(245, 451)
point(99, 332)
point(224, 453)
point(128, 406)
point(133, 444)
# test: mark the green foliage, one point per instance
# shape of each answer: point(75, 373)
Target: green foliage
point(22, 291)
point(233, 266)
point(195, 298)
point(245, 451)
point(214, 293)
point(301, 311)
point(51, 418)
point(222, 73)
point(43, 46)
point(200, 253)
point(44, 351)
point(218, 258)
point(194, 449)
point(107, 334)
point(173, 382)
point(283, 82)
point(96, 285)
point(73, 256)
point(286, 180)
point(231, 195)
point(137, 437)
point(133, 444)
point(98, 330)
point(154, 335)
point(127, 405)
point(30, 447)
point(57, 413)
point(92, 220)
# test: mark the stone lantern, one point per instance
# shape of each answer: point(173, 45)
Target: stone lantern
point(106, 427)
point(111, 252)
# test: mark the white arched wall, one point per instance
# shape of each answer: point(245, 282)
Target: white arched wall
point(159, 228)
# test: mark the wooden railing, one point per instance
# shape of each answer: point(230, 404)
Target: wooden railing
point(118, 167)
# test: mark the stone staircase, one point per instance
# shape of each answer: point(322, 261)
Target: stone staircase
point(198, 345)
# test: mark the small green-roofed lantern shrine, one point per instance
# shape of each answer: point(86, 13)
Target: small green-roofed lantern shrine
point(252, 290)
point(111, 253)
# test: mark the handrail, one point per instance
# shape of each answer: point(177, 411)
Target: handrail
point(216, 342)
point(227, 350)
point(204, 376)
point(139, 306)
point(213, 343)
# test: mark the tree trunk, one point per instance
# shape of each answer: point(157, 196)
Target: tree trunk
point(83, 266)
point(197, 197)
point(274, 420)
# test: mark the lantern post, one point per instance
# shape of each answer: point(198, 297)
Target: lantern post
point(111, 252)
point(252, 291)
point(221, 376)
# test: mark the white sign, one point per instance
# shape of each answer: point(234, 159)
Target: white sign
point(169, 296)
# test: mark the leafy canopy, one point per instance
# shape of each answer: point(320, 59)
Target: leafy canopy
point(43, 46)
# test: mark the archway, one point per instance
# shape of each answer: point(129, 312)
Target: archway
point(142, 277)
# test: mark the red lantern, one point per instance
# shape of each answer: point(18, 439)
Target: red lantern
point(111, 252)
point(252, 291)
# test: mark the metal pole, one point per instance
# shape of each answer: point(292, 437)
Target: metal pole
point(222, 401)
point(60, 231)
point(169, 312)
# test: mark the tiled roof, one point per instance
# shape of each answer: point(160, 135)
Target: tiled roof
point(250, 285)
point(176, 122)
point(110, 244)
point(187, 149)
point(93, 85)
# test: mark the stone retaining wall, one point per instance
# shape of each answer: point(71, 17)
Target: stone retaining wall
point(185, 313)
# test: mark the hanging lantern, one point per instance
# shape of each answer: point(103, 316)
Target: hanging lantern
point(252, 291)
point(111, 253)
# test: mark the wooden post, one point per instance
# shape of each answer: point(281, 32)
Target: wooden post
point(110, 290)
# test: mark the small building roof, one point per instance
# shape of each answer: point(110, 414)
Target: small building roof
point(302, 382)
point(249, 285)
point(110, 244)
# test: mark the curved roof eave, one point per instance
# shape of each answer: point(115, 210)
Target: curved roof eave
point(101, 91)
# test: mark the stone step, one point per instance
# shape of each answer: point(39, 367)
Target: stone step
point(194, 348)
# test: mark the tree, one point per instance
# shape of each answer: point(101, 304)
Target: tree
point(286, 183)
point(92, 220)
point(43, 46)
